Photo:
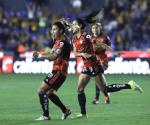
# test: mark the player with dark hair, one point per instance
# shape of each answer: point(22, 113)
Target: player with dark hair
point(60, 54)
point(101, 43)
point(83, 48)
point(98, 35)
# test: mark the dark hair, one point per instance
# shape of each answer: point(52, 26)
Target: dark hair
point(60, 26)
point(95, 16)
point(89, 19)
point(81, 22)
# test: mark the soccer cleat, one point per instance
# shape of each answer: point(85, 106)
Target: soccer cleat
point(43, 118)
point(66, 114)
point(95, 101)
point(135, 86)
point(79, 115)
point(82, 115)
point(107, 100)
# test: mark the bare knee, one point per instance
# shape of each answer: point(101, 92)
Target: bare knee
point(50, 92)
point(83, 81)
point(43, 88)
point(80, 90)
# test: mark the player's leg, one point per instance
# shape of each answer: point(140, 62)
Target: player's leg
point(117, 87)
point(55, 82)
point(56, 100)
point(101, 84)
point(44, 101)
point(97, 94)
point(83, 81)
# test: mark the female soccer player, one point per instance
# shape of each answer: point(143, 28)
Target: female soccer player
point(60, 54)
point(83, 47)
point(100, 52)
point(101, 43)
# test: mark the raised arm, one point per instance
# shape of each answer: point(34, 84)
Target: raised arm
point(108, 48)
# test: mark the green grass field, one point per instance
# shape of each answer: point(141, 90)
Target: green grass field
point(19, 104)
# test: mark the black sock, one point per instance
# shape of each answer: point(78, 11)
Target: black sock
point(44, 103)
point(105, 92)
point(117, 87)
point(82, 102)
point(55, 99)
point(97, 93)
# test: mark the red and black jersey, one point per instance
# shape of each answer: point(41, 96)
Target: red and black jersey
point(100, 52)
point(62, 47)
point(84, 45)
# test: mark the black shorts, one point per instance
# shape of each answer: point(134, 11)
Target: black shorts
point(92, 71)
point(89, 71)
point(55, 79)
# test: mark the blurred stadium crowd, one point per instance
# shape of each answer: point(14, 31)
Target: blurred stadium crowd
point(127, 22)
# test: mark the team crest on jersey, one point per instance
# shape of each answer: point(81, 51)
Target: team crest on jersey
point(61, 43)
point(88, 36)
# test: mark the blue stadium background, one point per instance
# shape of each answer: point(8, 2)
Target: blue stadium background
point(24, 23)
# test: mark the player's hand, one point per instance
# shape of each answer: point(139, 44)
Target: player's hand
point(86, 55)
point(35, 54)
